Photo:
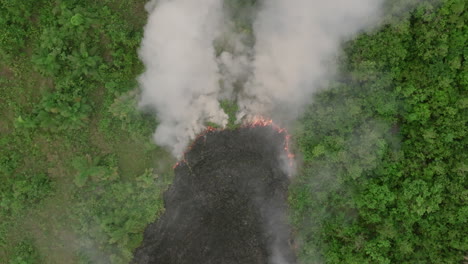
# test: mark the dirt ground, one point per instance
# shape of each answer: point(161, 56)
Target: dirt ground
point(227, 204)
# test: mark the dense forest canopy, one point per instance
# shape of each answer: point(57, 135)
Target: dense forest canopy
point(383, 177)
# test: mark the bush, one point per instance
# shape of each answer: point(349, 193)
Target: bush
point(23, 190)
point(25, 253)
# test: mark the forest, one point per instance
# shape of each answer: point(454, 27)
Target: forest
point(382, 148)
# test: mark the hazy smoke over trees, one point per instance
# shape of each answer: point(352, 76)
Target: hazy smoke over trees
point(293, 39)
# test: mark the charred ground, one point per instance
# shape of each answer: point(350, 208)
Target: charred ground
point(227, 203)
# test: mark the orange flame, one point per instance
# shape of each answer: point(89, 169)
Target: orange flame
point(257, 121)
point(263, 122)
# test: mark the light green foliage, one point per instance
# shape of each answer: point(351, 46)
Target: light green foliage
point(384, 179)
point(21, 191)
point(117, 212)
point(74, 148)
point(126, 116)
point(21, 187)
point(230, 108)
point(92, 169)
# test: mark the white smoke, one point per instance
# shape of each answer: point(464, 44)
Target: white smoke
point(181, 77)
point(235, 67)
point(294, 42)
point(294, 39)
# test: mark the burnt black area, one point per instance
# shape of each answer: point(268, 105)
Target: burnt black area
point(227, 203)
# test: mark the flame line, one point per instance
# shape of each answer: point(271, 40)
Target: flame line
point(257, 121)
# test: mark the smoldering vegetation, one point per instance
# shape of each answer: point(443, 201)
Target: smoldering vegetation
point(227, 203)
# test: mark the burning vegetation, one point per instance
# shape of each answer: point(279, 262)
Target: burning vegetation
point(227, 203)
point(257, 121)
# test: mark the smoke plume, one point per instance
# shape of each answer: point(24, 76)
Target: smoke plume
point(294, 41)
point(273, 76)
point(181, 77)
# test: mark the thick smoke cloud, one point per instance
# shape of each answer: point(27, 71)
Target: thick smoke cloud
point(294, 39)
point(181, 77)
point(294, 43)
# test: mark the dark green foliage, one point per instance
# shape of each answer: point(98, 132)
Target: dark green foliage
point(25, 253)
point(82, 52)
point(66, 43)
point(58, 112)
point(15, 28)
point(384, 179)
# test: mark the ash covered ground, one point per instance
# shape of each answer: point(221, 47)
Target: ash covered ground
point(227, 203)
